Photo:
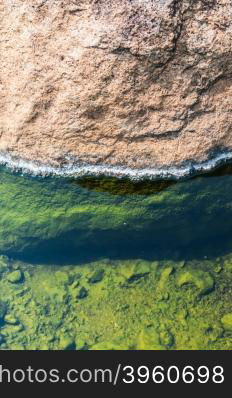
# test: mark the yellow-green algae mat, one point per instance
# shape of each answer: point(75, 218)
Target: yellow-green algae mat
point(117, 305)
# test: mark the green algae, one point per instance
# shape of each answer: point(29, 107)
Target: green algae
point(42, 220)
point(132, 304)
point(145, 265)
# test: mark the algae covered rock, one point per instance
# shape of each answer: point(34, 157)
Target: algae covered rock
point(10, 319)
point(15, 276)
point(166, 338)
point(201, 279)
point(67, 342)
point(227, 321)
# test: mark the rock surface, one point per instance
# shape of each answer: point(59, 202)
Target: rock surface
point(143, 83)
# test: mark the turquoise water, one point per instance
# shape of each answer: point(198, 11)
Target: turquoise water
point(64, 220)
point(114, 263)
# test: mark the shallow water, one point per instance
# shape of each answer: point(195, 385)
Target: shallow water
point(157, 253)
point(62, 220)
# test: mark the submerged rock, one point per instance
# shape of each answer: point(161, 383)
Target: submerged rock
point(15, 276)
point(138, 84)
point(166, 338)
point(10, 319)
point(83, 293)
point(201, 279)
point(67, 343)
point(97, 276)
point(227, 322)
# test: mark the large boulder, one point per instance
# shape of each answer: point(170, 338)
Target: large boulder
point(137, 84)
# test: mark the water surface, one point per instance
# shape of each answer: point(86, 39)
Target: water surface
point(65, 220)
point(111, 263)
